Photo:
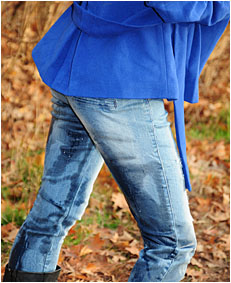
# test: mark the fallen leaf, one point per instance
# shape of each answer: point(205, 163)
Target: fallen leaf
point(96, 243)
point(85, 250)
point(219, 254)
point(11, 236)
point(115, 238)
point(194, 272)
point(204, 204)
point(90, 268)
point(39, 160)
point(119, 201)
point(196, 262)
point(117, 258)
point(219, 217)
point(133, 250)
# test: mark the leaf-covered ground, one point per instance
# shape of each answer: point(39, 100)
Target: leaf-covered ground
point(105, 244)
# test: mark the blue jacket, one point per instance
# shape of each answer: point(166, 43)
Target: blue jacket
point(133, 49)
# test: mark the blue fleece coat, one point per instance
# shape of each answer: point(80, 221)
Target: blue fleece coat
point(133, 49)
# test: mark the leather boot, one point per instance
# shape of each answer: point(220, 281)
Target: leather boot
point(21, 276)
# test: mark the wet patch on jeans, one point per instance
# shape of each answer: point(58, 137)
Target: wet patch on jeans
point(68, 152)
point(46, 244)
point(77, 138)
point(17, 250)
point(60, 196)
point(79, 201)
point(74, 189)
point(44, 218)
point(153, 193)
point(147, 195)
point(67, 156)
point(38, 242)
point(57, 167)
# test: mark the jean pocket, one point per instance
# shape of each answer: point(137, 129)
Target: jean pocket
point(107, 104)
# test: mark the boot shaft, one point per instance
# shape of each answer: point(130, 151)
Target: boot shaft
point(21, 276)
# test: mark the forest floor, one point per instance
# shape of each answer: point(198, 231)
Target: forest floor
point(104, 245)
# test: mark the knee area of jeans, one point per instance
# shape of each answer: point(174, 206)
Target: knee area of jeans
point(188, 246)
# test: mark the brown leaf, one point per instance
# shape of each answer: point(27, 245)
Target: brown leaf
point(39, 160)
point(89, 269)
point(85, 250)
point(119, 201)
point(115, 238)
point(9, 232)
point(204, 204)
point(94, 203)
point(219, 254)
point(5, 229)
point(219, 217)
point(96, 243)
point(126, 236)
point(117, 258)
point(196, 262)
point(133, 250)
point(16, 192)
point(194, 272)
point(11, 236)
point(226, 200)
point(81, 276)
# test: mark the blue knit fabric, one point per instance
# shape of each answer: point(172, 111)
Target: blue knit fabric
point(133, 49)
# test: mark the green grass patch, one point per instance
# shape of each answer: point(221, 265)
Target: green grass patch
point(107, 220)
point(217, 128)
point(21, 186)
point(80, 233)
point(13, 214)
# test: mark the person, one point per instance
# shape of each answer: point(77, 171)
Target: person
point(110, 65)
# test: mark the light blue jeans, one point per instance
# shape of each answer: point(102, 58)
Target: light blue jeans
point(134, 138)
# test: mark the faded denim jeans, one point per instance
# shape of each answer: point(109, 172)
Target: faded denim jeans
point(134, 138)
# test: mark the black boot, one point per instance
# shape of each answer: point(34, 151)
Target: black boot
point(21, 276)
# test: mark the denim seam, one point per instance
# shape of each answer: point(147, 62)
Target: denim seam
point(45, 258)
point(153, 134)
point(24, 247)
point(137, 207)
point(107, 104)
point(170, 265)
point(173, 218)
point(37, 233)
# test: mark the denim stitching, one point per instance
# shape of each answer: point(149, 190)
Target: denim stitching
point(161, 162)
point(175, 252)
point(107, 104)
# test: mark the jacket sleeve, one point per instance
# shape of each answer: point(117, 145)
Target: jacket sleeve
point(203, 12)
